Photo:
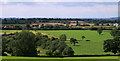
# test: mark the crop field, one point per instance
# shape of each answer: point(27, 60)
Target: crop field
point(83, 47)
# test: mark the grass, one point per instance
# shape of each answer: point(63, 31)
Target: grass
point(13, 31)
point(92, 47)
point(10, 31)
point(13, 58)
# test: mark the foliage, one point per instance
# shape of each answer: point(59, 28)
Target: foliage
point(83, 37)
point(74, 41)
point(24, 44)
point(77, 23)
point(115, 32)
point(99, 30)
point(63, 37)
point(112, 45)
point(68, 51)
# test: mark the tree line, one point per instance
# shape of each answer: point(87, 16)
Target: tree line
point(53, 20)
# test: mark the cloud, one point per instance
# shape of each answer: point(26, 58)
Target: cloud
point(4, 1)
point(60, 0)
point(81, 10)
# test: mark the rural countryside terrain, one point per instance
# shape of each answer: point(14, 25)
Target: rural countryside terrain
point(58, 31)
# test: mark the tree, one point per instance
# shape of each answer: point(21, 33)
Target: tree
point(56, 26)
point(63, 37)
point(99, 30)
point(77, 23)
point(96, 24)
point(49, 53)
point(28, 26)
point(115, 32)
point(24, 44)
point(71, 40)
point(67, 24)
point(74, 41)
point(68, 51)
point(57, 53)
point(42, 26)
point(83, 37)
point(5, 42)
point(112, 45)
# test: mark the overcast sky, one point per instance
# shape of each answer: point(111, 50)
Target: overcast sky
point(60, 9)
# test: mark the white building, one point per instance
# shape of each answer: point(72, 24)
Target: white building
point(116, 24)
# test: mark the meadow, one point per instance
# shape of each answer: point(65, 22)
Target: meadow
point(106, 58)
point(92, 47)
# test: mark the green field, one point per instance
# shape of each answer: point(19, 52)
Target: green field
point(92, 47)
point(13, 58)
point(106, 57)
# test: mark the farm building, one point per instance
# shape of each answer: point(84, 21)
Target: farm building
point(116, 24)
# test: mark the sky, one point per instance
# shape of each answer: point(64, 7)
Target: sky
point(60, 9)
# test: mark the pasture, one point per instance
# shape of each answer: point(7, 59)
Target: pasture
point(13, 58)
point(92, 47)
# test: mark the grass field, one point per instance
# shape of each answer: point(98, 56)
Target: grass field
point(13, 58)
point(92, 47)
point(106, 57)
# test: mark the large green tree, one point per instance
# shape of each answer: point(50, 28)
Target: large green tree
point(112, 45)
point(24, 44)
